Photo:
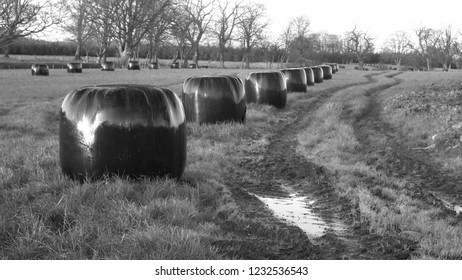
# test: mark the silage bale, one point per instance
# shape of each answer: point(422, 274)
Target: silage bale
point(40, 69)
point(295, 79)
point(266, 88)
point(214, 99)
point(125, 130)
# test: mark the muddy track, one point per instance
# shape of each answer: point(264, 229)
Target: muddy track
point(279, 171)
point(276, 172)
point(425, 179)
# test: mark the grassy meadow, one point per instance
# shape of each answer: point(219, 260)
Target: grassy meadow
point(44, 215)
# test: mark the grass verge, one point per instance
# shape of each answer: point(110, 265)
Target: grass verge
point(383, 202)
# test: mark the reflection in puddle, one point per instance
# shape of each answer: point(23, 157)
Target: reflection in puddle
point(295, 209)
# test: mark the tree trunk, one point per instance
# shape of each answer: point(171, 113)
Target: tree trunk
point(222, 57)
point(123, 53)
point(77, 52)
point(247, 59)
point(222, 61)
point(196, 54)
point(102, 55)
point(6, 52)
point(428, 63)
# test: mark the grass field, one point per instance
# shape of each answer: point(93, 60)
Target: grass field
point(47, 216)
point(44, 215)
point(164, 63)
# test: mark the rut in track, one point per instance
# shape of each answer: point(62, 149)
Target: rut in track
point(426, 180)
point(273, 172)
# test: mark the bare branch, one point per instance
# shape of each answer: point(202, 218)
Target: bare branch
point(23, 18)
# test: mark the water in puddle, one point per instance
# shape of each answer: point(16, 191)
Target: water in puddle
point(295, 210)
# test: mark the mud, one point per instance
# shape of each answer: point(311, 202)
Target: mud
point(266, 175)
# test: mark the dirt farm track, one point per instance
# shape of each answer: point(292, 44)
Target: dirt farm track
point(363, 166)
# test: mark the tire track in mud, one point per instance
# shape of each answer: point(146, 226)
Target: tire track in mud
point(425, 179)
point(276, 172)
point(385, 150)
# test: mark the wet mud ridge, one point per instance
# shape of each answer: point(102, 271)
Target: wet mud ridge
point(290, 207)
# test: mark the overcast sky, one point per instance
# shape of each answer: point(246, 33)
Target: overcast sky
point(378, 18)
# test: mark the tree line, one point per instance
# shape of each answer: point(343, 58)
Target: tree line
point(223, 30)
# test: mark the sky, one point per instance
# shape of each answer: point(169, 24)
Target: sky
point(379, 18)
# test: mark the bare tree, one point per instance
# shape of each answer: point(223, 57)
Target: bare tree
point(427, 40)
point(77, 22)
point(197, 17)
point(132, 21)
point(275, 53)
point(23, 18)
point(446, 47)
point(398, 45)
point(300, 44)
point(251, 25)
point(286, 38)
point(360, 44)
point(101, 16)
point(158, 33)
point(302, 26)
point(178, 31)
point(225, 23)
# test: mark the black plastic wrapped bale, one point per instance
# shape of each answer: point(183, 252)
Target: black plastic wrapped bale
point(334, 67)
point(295, 79)
point(318, 74)
point(108, 66)
point(127, 130)
point(213, 99)
point(327, 72)
point(74, 67)
point(40, 70)
point(266, 88)
point(309, 76)
point(153, 65)
point(175, 65)
point(133, 65)
point(192, 66)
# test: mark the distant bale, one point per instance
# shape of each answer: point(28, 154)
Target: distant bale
point(40, 70)
point(295, 79)
point(334, 67)
point(309, 76)
point(214, 99)
point(327, 72)
point(175, 65)
point(125, 130)
point(266, 88)
point(192, 66)
point(133, 65)
point(74, 67)
point(153, 65)
point(318, 74)
point(108, 66)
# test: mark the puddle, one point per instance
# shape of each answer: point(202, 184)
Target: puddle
point(295, 209)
